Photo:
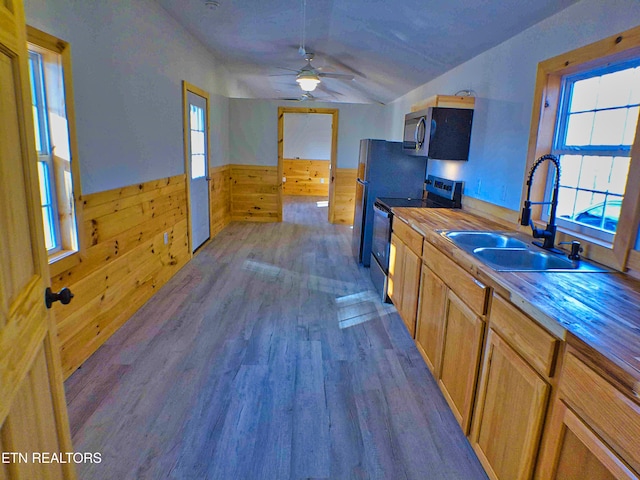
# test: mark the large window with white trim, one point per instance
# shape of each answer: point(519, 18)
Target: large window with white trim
point(595, 129)
point(48, 60)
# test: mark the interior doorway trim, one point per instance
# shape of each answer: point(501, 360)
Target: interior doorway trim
point(334, 151)
point(186, 88)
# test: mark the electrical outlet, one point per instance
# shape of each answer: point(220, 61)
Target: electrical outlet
point(166, 237)
point(322, 180)
point(284, 179)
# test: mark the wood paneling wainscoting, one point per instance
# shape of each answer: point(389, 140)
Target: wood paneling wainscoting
point(123, 261)
point(220, 198)
point(255, 193)
point(306, 177)
point(344, 195)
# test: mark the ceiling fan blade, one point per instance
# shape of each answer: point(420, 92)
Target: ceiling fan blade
point(283, 74)
point(364, 91)
point(332, 93)
point(341, 65)
point(286, 68)
point(339, 76)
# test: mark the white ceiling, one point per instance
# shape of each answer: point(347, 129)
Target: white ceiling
point(391, 47)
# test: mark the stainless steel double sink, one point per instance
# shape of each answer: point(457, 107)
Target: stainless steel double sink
point(512, 252)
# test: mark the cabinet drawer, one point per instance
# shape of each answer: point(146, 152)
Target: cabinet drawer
point(524, 335)
point(474, 293)
point(408, 235)
point(611, 414)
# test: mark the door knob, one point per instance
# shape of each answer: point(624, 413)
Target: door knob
point(64, 296)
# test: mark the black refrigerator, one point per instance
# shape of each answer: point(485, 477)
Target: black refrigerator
point(383, 171)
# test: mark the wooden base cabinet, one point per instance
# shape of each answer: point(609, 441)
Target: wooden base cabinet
point(404, 272)
point(513, 395)
point(581, 454)
point(450, 329)
point(594, 429)
point(411, 287)
point(511, 409)
point(461, 350)
point(431, 319)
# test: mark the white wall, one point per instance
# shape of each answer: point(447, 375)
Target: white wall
point(307, 135)
point(129, 60)
point(253, 130)
point(504, 80)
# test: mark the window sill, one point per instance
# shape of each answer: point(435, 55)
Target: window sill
point(594, 249)
point(565, 232)
point(62, 260)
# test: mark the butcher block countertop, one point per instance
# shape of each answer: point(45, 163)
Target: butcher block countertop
point(596, 313)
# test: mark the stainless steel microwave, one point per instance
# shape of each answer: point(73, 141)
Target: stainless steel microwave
point(438, 133)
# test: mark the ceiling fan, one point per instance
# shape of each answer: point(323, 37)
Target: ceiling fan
point(308, 77)
point(305, 97)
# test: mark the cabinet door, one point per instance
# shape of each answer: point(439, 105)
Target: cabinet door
point(460, 358)
point(509, 414)
point(410, 289)
point(433, 296)
point(396, 271)
point(580, 453)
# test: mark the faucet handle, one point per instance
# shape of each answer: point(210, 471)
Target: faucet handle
point(525, 218)
point(576, 249)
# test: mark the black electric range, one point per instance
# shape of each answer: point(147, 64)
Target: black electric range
point(441, 193)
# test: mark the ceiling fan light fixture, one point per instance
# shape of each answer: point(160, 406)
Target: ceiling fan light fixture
point(307, 80)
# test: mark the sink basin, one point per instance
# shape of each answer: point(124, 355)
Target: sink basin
point(511, 252)
point(470, 240)
point(528, 260)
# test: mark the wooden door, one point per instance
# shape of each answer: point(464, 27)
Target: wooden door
point(510, 411)
point(460, 358)
point(33, 416)
point(196, 130)
point(410, 289)
point(430, 323)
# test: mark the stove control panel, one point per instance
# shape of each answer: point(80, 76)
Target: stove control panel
point(449, 189)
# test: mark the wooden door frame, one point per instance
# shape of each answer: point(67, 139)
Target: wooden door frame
point(334, 112)
point(186, 88)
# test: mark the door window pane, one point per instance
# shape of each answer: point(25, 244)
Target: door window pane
point(197, 166)
point(198, 142)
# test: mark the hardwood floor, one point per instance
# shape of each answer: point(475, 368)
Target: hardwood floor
point(268, 356)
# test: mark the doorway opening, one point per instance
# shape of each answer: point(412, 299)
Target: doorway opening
point(307, 146)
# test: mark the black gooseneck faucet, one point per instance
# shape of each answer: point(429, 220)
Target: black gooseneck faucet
point(548, 235)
